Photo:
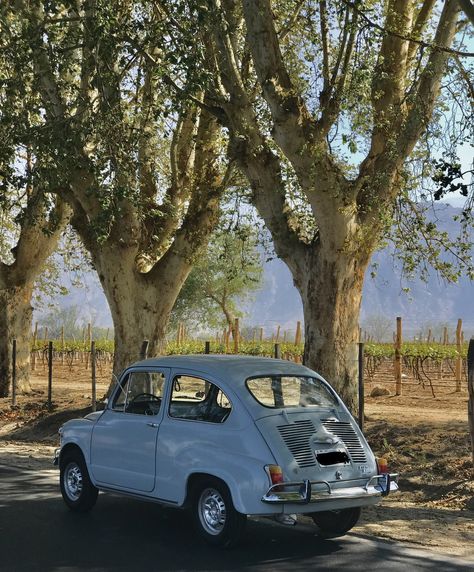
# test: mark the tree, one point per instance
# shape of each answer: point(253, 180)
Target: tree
point(142, 170)
point(34, 226)
point(378, 327)
point(349, 90)
point(222, 278)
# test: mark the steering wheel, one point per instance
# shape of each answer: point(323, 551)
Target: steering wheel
point(148, 396)
point(147, 399)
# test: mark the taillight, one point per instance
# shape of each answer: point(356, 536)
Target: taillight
point(275, 473)
point(382, 466)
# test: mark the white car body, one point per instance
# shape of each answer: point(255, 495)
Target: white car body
point(223, 417)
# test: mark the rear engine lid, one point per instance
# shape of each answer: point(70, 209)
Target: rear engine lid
point(317, 446)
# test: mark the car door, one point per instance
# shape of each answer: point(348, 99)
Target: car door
point(123, 442)
point(193, 434)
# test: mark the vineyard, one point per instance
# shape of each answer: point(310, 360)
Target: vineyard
point(430, 367)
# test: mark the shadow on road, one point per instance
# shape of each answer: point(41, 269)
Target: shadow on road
point(38, 533)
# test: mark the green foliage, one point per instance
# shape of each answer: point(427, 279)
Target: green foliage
point(263, 349)
point(101, 344)
point(434, 351)
point(226, 273)
point(410, 350)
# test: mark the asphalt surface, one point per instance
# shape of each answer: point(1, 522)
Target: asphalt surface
point(38, 533)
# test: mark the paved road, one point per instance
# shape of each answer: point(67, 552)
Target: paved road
point(38, 533)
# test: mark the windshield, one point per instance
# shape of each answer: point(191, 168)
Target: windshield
point(278, 391)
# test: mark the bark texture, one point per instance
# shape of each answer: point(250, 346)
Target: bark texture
point(15, 323)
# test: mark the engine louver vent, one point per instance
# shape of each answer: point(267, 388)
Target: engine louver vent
point(296, 437)
point(346, 433)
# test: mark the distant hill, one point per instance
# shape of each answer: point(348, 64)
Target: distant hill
point(278, 302)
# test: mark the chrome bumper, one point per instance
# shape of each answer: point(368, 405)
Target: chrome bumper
point(57, 452)
point(305, 492)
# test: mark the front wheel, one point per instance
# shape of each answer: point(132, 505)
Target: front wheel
point(214, 514)
point(334, 523)
point(77, 491)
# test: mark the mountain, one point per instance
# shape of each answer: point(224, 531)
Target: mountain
point(278, 302)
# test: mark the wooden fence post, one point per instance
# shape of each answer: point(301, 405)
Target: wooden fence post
point(33, 355)
point(226, 341)
point(277, 351)
point(93, 377)
point(398, 358)
point(261, 334)
point(14, 373)
point(50, 373)
point(207, 347)
point(459, 357)
point(277, 339)
point(83, 353)
point(89, 341)
point(236, 336)
point(361, 385)
point(298, 334)
point(62, 345)
point(470, 384)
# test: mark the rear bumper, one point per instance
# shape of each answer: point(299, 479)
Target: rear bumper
point(306, 492)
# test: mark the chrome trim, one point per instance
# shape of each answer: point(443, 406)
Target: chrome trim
point(57, 452)
point(305, 492)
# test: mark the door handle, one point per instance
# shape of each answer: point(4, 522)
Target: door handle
point(152, 425)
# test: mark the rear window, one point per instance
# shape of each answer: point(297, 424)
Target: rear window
point(278, 391)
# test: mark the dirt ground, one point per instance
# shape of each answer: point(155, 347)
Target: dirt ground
point(424, 438)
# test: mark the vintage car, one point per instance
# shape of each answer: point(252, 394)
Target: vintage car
point(226, 437)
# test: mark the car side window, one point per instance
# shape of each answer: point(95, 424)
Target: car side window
point(197, 399)
point(141, 393)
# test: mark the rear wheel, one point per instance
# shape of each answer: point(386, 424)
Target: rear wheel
point(214, 514)
point(334, 523)
point(77, 491)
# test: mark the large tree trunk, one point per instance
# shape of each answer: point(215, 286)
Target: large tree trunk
point(331, 297)
point(140, 304)
point(15, 323)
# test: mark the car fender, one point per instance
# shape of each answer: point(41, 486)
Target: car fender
point(244, 475)
point(77, 432)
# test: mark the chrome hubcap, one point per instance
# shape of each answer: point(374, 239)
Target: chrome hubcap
point(212, 511)
point(73, 481)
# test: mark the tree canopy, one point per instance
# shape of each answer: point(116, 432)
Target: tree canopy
point(228, 271)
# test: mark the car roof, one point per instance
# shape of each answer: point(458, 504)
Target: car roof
point(233, 368)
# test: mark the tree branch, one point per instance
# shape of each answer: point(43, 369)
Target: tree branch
point(420, 24)
point(468, 8)
point(384, 30)
point(425, 98)
point(286, 28)
point(38, 238)
point(262, 169)
point(293, 124)
point(331, 102)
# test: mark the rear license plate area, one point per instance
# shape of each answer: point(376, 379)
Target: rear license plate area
point(328, 458)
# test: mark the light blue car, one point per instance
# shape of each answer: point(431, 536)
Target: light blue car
point(226, 437)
